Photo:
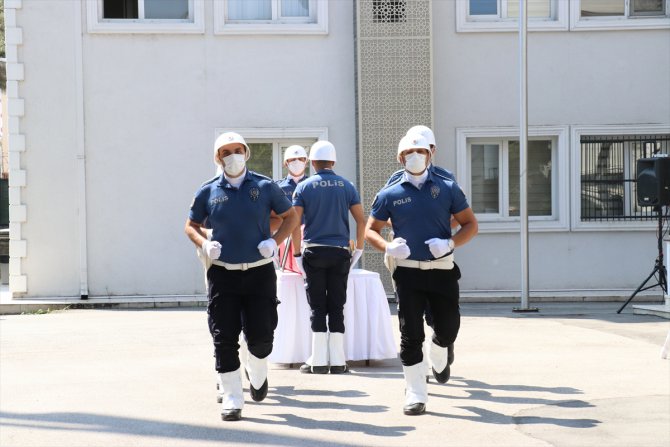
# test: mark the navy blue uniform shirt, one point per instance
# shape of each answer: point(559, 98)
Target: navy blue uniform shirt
point(239, 218)
point(288, 185)
point(432, 168)
point(420, 214)
point(326, 198)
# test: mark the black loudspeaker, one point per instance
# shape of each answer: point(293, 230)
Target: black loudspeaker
point(653, 181)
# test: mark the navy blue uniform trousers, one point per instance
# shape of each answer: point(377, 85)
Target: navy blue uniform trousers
point(327, 270)
point(417, 288)
point(237, 296)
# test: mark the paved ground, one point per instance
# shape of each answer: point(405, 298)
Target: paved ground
point(576, 374)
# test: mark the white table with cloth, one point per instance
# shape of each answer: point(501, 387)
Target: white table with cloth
point(367, 320)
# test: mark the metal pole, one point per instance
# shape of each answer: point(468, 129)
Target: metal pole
point(523, 152)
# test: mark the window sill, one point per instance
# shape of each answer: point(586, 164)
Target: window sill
point(508, 26)
point(271, 28)
point(513, 225)
point(620, 24)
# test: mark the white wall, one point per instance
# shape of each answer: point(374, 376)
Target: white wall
point(574, 78)
point(152, 104)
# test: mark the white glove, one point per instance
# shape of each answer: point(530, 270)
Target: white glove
point(298, 261)
point(267, 248)
point(440, 247)
point(398, 248)
point(212, 249)
point(355, 256)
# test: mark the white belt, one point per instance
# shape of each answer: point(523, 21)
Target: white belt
point(440, 264)
point(243, 266)
point(309, 244)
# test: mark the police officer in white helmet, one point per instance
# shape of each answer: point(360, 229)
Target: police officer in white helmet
point(295, 161)
point(427, 133)
point(242, 280)
point(419, 206)
point(326, 199)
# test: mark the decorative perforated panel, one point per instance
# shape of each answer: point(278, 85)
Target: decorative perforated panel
point(394, 91)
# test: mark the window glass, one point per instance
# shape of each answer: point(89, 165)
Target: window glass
point(249, 9)
point(484, 7)
point(166, 9)
point(485, 163)
point(538, 178)
point(536, 8)
point(295, 8)
point(647, 7)
point(591, 8)
point(608, 177)
point(261, 158)
point(119, 9)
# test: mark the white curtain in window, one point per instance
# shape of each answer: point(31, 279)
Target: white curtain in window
point(295, 8)
point(166, 9)
point(602, 8)
point(536, 8)
point(250, 9)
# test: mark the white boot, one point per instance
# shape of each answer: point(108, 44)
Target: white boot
point(416, 391)
point(258, 377)
point(317, 363)
point(338, 362)
point(426, 358)
point(439, 357)
point(219, 389)
point(233, 397)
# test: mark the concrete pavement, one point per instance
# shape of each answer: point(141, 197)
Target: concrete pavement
point(575, 374)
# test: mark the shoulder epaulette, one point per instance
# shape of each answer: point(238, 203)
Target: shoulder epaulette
point(212, 180)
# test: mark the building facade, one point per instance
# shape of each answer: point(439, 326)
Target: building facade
point(113, 107)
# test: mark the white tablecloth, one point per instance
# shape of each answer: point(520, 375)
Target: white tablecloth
point(367, 320)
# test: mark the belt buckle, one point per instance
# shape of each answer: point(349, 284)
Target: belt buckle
point(245, 266)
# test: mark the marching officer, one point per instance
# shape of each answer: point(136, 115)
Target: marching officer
point(241, 281)
point(326, 199)
point(295, 161)
point(419, 205)
point(427, 133)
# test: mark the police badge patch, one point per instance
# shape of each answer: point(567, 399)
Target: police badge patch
point(254, 193)
point(434, 191)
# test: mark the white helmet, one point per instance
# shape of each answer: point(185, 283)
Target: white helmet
point(294, 151)
point(412, 141)
point(229, 138)
point(425, 131)
point(322, 150)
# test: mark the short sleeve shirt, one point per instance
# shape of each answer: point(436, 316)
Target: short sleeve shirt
point(420, 214)
point(326, 198)
point(239, 218)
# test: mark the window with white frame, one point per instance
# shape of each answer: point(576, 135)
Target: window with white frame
point(611, 14)
point(270, 16)
point(503, 15)
point(145, 16)
point(608, 175)
point(489, 174)
point(494, 177)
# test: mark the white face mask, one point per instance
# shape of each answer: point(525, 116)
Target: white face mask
point(415, 163)
point(234, 164)
point(296, 167)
